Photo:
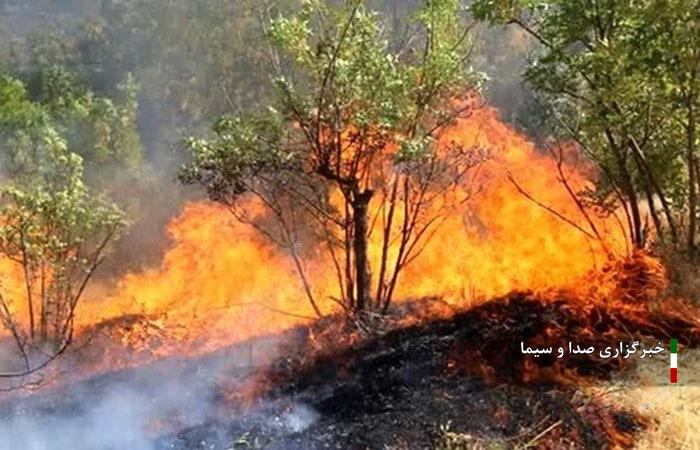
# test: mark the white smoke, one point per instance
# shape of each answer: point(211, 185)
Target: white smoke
point(299, 418)
point(133, 409)
point(123, 417)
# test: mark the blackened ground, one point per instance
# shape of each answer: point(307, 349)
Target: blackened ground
point(376, 383)
point(468, 371)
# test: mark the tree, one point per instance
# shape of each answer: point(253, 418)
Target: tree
point(620, 78)
point(676, 70)
point(184, 61)
point(52, 227)
point(195, 59)
point(101, 129)
point(352, 144)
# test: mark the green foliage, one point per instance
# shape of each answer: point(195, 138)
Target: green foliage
point(374, 85)
point(183, 61)
point(17, 111)
point(101, 130)
point(51, 224)
point(245, 148)
point(47, 217)
point(345, 79)
point(621, 78)
point(350, 111)
point(195, 59)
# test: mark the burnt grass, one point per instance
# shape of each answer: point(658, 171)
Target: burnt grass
point(443, 379)
point(411, 387)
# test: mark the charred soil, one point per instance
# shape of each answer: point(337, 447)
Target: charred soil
point(462, 380)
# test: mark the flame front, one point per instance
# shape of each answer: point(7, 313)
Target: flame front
point(221, 282)
point(503, 241)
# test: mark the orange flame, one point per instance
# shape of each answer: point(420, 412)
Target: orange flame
point(221, 282)
point(502, 241)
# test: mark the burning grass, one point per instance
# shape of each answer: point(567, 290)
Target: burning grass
point(501, 270)
point(429, 375)
point(401, 388)
point(486, 340)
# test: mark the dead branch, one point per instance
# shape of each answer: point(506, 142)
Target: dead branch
point(546, 207)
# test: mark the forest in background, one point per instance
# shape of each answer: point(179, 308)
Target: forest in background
point(108, 108)
point(169, 71)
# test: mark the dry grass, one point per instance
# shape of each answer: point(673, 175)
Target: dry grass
point(450, 440)
point(674, 410)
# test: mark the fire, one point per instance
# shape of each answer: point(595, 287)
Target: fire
point(221, 282)
point(12, 289)
point(502, 241)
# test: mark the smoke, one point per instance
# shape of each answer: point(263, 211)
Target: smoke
point(299, 418)
point(116, 421)
point(125, 414)
point(144, 409)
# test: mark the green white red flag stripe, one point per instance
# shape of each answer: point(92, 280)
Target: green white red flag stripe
point(674, 361)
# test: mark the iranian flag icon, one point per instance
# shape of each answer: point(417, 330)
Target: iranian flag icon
point(674, 361)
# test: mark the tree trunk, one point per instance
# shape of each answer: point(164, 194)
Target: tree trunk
point(692, 178)
point(658, 226)
point(637, 238)
point(650, 180)
point(360, 205)
point(628, 190)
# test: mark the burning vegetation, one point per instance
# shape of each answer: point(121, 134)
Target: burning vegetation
point(199, 303)
point(452, 357)
point(376, 250)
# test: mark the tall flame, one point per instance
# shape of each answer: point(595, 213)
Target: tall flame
point(221, 282)
point(502, 240)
